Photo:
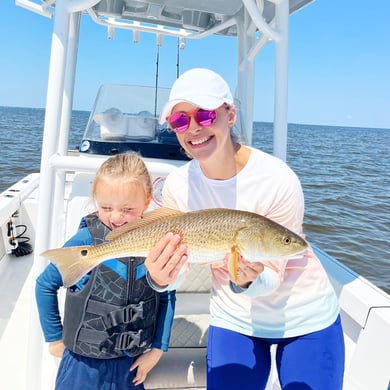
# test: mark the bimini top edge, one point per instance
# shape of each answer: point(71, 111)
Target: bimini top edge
point(176, 17)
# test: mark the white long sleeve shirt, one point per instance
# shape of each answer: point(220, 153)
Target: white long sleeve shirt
point(292, 296)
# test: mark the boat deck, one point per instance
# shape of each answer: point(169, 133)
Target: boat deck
point(16, 301)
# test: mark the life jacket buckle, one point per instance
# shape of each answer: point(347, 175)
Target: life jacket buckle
point(129, 340)
point(133, 312)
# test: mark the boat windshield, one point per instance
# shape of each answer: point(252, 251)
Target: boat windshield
point(125, 117)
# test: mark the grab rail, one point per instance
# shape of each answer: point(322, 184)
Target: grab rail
point(12, 198)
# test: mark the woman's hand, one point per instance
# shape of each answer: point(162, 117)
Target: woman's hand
point(247, 272)
point(56, 348)
point(144, 363)
point(166, 259)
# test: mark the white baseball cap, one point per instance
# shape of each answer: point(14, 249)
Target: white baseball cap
point(201, 87)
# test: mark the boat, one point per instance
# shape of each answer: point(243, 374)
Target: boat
point(48, 205)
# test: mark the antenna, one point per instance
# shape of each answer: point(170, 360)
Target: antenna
point(178, 58)
point(159, 43)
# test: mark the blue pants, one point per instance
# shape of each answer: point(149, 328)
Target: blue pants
point(79, 372)
point(310, 362)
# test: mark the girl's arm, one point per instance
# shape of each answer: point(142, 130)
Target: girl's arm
point(164, 320)
point(47, 285)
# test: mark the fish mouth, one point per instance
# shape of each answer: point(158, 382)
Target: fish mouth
point(200, 141)
point(297, 253)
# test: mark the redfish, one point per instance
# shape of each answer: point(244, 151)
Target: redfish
point(209, 235)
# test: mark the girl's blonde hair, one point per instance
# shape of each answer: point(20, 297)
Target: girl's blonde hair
point(129, 167)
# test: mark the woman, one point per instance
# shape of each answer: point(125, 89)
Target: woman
point(290, 303)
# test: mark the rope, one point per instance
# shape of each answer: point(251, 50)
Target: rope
point(20, 244)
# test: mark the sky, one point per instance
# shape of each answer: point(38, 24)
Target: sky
point(339, 62)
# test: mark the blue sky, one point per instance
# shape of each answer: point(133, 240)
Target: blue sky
point(339, 67)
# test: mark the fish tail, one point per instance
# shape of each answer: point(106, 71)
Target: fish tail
point(70, 262)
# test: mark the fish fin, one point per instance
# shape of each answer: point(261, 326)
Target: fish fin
point(233, 263)
point(147, 218)
point(70, 263)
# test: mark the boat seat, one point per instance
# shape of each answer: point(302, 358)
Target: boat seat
point(184, 365)
point(79, 202)
point(78, 207)
point(115, 125)
point(82, 184)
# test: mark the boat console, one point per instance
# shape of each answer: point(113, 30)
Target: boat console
point(124, 118)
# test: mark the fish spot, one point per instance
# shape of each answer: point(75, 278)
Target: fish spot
point(84, 252)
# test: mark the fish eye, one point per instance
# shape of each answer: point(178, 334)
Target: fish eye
point(286, 240)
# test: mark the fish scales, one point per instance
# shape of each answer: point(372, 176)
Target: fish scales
point(199, 231)
point(209, 235)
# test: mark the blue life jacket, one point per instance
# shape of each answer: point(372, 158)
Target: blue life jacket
point(115, 312)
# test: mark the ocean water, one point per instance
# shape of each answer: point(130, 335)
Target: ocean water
point(345, 174)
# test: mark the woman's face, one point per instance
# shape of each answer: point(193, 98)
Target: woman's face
point(119, 202)
point(202, 142)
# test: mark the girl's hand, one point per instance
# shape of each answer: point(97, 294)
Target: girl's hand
point(144, 363)
point(166, 259)
point(56, 348)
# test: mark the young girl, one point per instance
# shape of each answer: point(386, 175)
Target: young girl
point(115, 327)
point(289, 303)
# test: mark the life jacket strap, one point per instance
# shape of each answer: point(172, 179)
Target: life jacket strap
point(120, 341)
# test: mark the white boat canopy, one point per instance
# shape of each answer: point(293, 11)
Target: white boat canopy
point(254, 23)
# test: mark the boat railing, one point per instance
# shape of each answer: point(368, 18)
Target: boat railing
point(12, 198)
point(88, 164)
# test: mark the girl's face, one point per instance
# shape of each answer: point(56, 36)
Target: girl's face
point(119, 202)
point(201, 142)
